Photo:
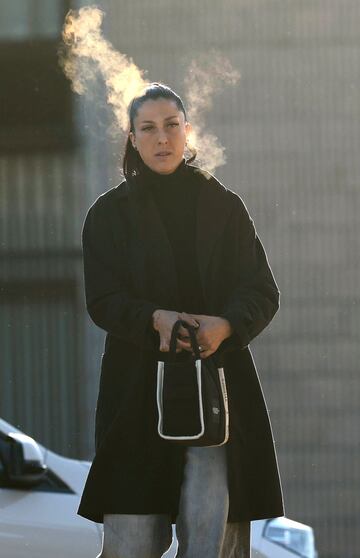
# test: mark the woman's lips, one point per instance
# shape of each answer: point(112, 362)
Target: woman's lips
point(163, 154)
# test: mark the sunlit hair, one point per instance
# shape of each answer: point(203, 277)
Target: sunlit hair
point(153, 92)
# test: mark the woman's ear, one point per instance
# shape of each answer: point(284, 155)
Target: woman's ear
point(132, 139)
point(188, 129)
point(189, 135)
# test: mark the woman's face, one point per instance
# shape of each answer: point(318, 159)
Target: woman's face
point(160, 133)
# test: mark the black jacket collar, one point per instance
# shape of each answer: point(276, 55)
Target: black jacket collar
point(213, 211)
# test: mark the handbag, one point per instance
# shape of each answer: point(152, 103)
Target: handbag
point(191, 397)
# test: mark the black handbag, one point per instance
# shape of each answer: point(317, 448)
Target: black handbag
point(191, 397)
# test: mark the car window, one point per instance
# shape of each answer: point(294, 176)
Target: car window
point(50, 482)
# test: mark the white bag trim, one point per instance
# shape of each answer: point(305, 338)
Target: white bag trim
point(159, 398)
point(226, 404)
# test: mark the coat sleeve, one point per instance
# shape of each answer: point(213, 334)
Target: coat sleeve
point(255, 298)
point(108, 301)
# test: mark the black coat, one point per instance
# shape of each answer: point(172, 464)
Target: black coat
point(130, 272)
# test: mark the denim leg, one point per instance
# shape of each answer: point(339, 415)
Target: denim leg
point(201, 526)
point(236, 542)
point(136, 536)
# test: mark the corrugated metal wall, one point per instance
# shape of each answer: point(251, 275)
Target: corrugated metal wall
point(41, 303)
point(40, 361)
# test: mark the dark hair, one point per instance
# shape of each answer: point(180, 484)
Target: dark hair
point(153, 91)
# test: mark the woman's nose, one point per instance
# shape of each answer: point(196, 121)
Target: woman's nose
point(162, 137)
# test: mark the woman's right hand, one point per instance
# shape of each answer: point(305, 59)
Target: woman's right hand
point(163, 322)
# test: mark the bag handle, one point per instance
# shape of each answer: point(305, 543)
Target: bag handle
point(191, 331)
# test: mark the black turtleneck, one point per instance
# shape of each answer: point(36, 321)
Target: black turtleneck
point(176, 195)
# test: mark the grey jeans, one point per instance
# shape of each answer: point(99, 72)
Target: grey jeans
point(201, 526)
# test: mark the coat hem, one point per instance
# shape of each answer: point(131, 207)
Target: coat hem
point(98, 517)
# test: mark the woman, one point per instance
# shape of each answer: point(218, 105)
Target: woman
point(172, 242)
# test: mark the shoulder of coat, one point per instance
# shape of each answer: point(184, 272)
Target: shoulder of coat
point(107, 197)
point(232, 197)
point(207, 178)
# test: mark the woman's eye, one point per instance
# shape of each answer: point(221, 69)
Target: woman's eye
point(170, 125)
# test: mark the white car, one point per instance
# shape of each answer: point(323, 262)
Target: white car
point(39, 497)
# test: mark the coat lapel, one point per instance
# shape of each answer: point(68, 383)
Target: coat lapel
point(213, 212)
point(152, 261)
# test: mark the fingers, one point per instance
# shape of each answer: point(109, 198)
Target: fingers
point(164, 346)
point(165, 331)
point(184, 345)
point(182, 342)
point(207, 353)
point(204, 351)
point(180, 345)
point(183, 332)
point(188, 319)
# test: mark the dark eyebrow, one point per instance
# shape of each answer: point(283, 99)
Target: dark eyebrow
point(152, 122)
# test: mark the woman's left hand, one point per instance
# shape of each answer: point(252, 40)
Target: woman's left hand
point(210, 334)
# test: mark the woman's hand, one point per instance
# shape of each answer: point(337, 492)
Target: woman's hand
point(163, 322)
point(210, 334)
